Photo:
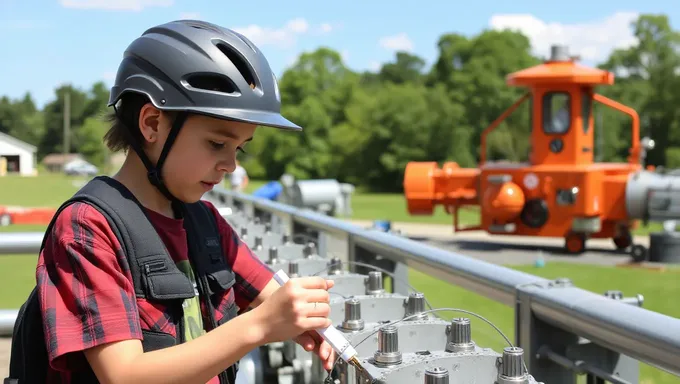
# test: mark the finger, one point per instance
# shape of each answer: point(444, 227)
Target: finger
point(330, 284)
point(317, 296)
point(318, 309)
point(306, 341)
point(313, 323)
point(325, 351)
point(312, 282)
point(328, 364)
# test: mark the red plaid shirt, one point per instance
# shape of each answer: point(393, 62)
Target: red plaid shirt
point(86, 293)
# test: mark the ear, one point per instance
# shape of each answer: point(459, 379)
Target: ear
point(149, 122)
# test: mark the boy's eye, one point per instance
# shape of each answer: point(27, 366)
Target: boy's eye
point(216, 145)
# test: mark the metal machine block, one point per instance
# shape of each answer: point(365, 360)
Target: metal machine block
point(374, 308)
point(468, 367)
point(414, 336)
point(347, 284)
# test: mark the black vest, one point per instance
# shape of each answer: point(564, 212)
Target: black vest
point(154, 274)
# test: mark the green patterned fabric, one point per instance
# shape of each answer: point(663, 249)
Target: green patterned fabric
point(192, 307)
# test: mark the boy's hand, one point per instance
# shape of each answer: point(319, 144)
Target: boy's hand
point(312, 341)
point(301, 305)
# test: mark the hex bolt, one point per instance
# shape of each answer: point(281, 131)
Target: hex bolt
point(415, 305)
point(258, 242)
point(459, 336)
point(374, 283)
point(293, 269)
point(353, 320)
point(309, 250)
point(437, 375)
point(388, 346)
point(335, 266)
point(273, 255)
point(513, 366)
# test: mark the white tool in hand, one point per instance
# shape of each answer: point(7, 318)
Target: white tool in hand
point(331, 334)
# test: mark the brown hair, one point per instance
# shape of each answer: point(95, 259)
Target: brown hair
point(127, 119)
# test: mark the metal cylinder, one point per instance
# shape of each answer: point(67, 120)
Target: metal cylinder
point(273, 255)
point(653, 195)
point(388, 346)
point(437, 375)
point(416, 306)
point(258, 242)
point(335, 266)
point(374, 283)
point(244, 232)
point(267, 227)
point(353, 320)
point(293, 269)
point(459, 336)
point(513, 365)
point(309, 250)
point(7, 319)
point(20, 243)
point(559, 53)
point(285, 239)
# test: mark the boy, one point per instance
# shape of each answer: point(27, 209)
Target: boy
point(201, 90)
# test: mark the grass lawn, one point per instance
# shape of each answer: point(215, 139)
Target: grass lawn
point(659, 288)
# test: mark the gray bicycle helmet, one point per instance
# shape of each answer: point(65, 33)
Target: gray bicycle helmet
point(191, 66)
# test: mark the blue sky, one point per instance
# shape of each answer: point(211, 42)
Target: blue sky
point(44, 43)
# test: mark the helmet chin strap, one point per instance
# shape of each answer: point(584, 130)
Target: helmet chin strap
point(154, 172)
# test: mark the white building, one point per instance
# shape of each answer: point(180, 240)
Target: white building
point(17, 156)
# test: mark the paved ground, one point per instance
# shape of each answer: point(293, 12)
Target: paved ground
point(495, 249)
point(510, 249)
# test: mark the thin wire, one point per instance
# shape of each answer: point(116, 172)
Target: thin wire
point(377, 329)
point(390, 274)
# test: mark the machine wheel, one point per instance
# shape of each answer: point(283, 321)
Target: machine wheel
point(575, 243)
point(638, 253)
point(624, 240)
point(5, 220)
point(535, 213)
point(664, 247)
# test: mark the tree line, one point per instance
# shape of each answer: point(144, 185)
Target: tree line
point(364, 127)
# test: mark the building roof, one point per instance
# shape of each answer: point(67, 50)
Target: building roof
point(19, 143)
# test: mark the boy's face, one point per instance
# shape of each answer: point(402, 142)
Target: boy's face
point(203, 152)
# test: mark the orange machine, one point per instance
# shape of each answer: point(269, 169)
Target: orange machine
point(21, 215)
point(560, 192)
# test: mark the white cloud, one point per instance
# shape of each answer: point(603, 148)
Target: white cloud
point(325, 27)
point(283, 37)
point(374, 66)
point(399, 42)
point(190, 16)
point(115, 5)
point(593, 41)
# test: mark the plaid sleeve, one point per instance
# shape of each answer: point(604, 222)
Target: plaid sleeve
point(252, 275)
point(84, 285)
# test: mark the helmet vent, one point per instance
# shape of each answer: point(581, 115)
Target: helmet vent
point(239, 63)
point(201, 25)
point(211, 82)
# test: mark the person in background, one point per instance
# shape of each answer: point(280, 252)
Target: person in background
point(239, 178)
